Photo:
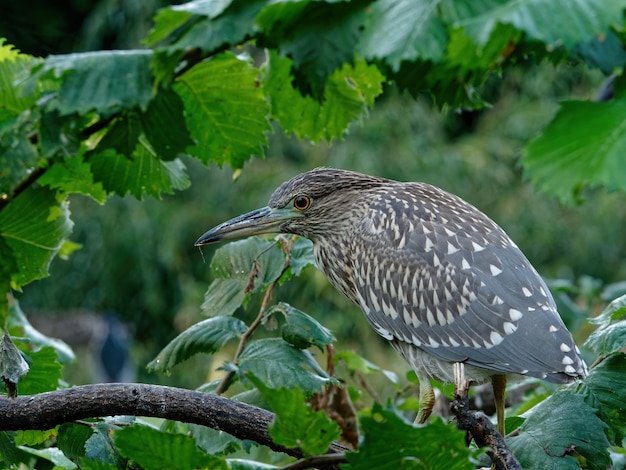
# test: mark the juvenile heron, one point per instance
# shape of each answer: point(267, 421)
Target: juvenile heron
point(433, 275)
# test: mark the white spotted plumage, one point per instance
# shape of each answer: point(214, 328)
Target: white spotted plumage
point(433, 275)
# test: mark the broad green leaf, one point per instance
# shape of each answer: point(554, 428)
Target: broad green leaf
point(142, 174)
point(278, 365)
point(604, 389)
point(584, 144)
point(390, 443)
point(59, 134)
point(240, 464)
point(553, 22)
point(72, 438)
point(557, 431)
point(205, 24)
point(33, 437)
point(300, 329)
point(18, 155)
point(214, 441)
point(88, 464)
point(122, 136)
point(73, 175)
point(319, 37)
point(232, 266)
point(100, 447)
point(34, 225)
point(295, 424)
point(164, 125)
point(156, 450)
point(223, 297)
point(12, 456)
point(405, 30)
point(207, 336)
point(610, 336)
point(18, 325)
point(15, 95)
point(225, 110)
point(348, 94)
point(102, 80)
point(45, 372)
point(51, 454)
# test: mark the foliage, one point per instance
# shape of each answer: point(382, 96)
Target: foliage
point(214, 80)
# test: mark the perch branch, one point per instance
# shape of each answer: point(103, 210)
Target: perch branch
point(46, 410)
point(479, 426)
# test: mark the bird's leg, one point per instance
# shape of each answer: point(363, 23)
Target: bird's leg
point(498, 382)
point(427, 400)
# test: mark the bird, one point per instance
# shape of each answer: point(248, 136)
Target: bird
point(432, 274)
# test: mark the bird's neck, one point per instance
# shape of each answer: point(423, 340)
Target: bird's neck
point(336, 265)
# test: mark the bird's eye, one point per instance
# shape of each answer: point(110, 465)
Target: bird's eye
point(302, 202)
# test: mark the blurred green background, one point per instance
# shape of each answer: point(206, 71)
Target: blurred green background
point(137, 258)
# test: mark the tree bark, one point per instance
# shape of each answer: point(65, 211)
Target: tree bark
point(46, 410)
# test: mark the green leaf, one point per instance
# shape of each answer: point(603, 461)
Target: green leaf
point(102, 80)
point(15, 95)
point(122, 136)
point(553, 22)
point(51, 454)
point(223, 297)
point(557, 431)
point(34, 225)
point(295, 423)
point(12, 455)
point(99, 446)
point(45, 372)
point(398, 31)
point(232, 266)
point(205, 25)
point(34, 437)
point(300, 329)
point(72, 438)
point(389, 443)
point(214, 441)
point(289, 367)
point(225, 110)
point(18, 155)
point(155, 450)
point(610, 336)
point(208, 337)
point(319, 37)
point(348, 93)
point(164, 125)
point(604, 389)
point(143, 174)
point(583, 145)
point(73, 175)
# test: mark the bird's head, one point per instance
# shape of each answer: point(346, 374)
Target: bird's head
point(317, 203)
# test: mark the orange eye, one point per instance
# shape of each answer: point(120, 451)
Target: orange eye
point(302, 202)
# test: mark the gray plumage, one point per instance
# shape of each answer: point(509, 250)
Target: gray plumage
point(432, 274)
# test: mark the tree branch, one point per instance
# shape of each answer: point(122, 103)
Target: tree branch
point(479, 427)
point(46, 410)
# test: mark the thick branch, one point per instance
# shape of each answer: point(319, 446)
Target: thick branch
point(46, 410)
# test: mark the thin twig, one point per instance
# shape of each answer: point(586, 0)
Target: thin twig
point(267, 297)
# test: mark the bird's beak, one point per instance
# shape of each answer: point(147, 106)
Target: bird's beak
point(257, 222)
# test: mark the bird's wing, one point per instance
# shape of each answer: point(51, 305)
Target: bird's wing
point(448, 280)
